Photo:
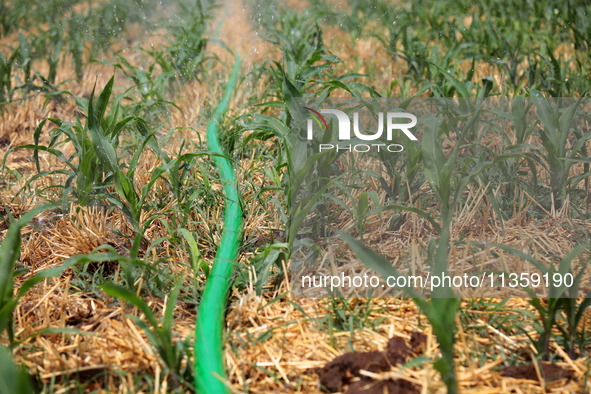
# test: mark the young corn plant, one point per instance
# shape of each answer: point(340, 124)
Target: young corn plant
point(97, 166)
point(553, 75)
point(109, 19)
point(6, 73)
point(152, 86)
point(517, 169)
point(303, 70)
point(573, 335)
point(185, 55)
point(77, 38)
point(442, 309)
point(96, 169)
point(28, 51)
point(415, 52)
point(441, 173)
point(440, 312)
point(160, 333)
point(10, 17)
point(561, 300)
point(558, 123)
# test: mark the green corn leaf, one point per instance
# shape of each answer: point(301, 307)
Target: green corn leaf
point(13, 379)
point(103, 100)
point(167, 319)
point(263, 266)
point(375, 261)
point(193, 248)
point(126, 295)
point(363, 204)
point(10, 250)
point(433, 157)
point(549, 118)
point(103, 148)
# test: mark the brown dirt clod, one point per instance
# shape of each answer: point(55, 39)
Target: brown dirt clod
point(4, 141)
point(389, 386)
point(418, 342)
point(550, 372)
point(342, 369)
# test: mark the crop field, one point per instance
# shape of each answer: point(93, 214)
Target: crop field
point(178, 207)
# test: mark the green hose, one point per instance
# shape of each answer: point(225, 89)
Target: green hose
point(210, 375)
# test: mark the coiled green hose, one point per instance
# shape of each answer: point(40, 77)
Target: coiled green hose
point(210, 374)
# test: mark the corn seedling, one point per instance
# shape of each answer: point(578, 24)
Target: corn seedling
point(160, 333)
point(558, 121)
point(185, 55)
point(6, 70)
point(439, 172)
point(561, 298)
